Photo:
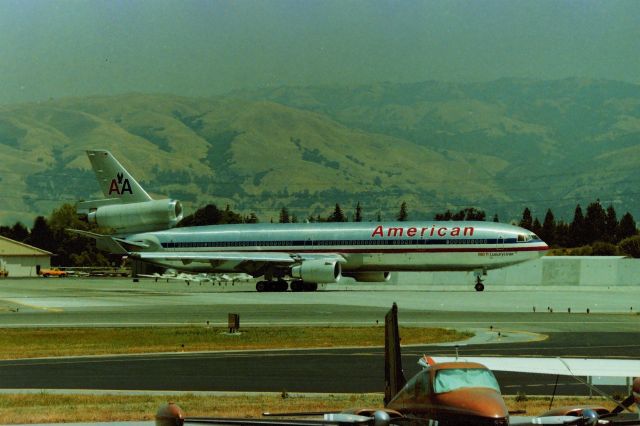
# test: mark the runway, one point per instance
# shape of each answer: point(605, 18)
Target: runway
point(610, 329)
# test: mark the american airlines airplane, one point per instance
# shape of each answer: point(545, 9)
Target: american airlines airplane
point(299, 255)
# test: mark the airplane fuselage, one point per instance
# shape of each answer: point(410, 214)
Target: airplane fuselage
point(365, 246)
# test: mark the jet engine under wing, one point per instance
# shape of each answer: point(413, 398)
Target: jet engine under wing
point(558, 366)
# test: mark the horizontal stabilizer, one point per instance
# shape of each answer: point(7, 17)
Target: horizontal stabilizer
point(103, 242)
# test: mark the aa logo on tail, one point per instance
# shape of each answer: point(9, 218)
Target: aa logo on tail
point(120, 186)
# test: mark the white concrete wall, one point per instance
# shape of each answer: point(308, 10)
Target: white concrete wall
point(25, 266)
point(587, 271)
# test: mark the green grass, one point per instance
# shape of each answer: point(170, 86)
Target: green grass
point(44, 342)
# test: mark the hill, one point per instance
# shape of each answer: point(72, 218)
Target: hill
point(498, 146)
point(255, 155)
point(565, 141)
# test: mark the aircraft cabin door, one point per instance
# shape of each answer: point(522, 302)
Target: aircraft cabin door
point(500, 243)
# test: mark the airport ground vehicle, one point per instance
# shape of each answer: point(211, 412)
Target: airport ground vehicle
point(52, 272)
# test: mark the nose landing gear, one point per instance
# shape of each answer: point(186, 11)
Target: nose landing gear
point(479, 282)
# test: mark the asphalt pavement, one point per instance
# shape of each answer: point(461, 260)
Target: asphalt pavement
point(610, 329)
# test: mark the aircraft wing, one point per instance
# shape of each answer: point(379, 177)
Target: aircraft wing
point(558, 366)
point(249, 256)
point(338, 420)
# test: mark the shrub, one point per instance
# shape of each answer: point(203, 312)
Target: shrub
point(600, 248)
point(631, 246)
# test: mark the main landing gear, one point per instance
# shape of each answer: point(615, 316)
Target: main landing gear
point(479, 286)
point(299, 285)
point(279, 285)
point(282, 285)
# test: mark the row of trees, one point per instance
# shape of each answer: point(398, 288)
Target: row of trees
point(338, 215)
point(597, 225)
point(51, 234)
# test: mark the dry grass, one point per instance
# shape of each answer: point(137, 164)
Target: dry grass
point(31, 343)
point(52, 408)
point(538, 405)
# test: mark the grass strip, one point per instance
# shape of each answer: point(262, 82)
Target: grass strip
point(56, 408)
point(45, 342)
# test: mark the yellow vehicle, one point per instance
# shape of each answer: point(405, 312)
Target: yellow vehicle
point(53, 272)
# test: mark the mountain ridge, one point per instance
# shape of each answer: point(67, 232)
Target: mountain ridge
point(498, 146)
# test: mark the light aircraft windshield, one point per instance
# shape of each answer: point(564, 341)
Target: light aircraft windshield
point(457, 378)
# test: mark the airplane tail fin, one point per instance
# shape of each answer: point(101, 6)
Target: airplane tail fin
point(394, 379)
point(115, 181)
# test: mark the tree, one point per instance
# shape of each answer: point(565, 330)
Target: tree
point(72, 249)
point(17, 232)
point(469, 213)
point(536, 227)
point(402, 214)
point(562, 234)
point(548, 230)
point(252, 218)
point(358, 215)
point(611, 225)
point(527, 220)
point(626, 227)
point(576, 229)
point(284, 215)
point(337, 215)
point(496, 218)
point(211, 215)
point(41, 235)
point(594, 222)
point(443, 216)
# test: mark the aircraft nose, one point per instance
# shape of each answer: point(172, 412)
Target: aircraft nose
point(479, 402)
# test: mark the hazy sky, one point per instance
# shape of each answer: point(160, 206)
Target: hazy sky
point(71, 47)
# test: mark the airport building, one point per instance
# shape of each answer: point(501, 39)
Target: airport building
point(21, 260)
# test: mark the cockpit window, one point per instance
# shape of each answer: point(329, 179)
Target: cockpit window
point(458, 378)
point(419, 384)
point(523, 238)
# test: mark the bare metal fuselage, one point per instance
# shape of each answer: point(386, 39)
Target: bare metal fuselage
point(391, 246)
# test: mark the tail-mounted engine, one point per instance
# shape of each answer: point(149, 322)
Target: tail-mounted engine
point(133, 218)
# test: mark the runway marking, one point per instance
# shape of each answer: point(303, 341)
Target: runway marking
point(29, 305)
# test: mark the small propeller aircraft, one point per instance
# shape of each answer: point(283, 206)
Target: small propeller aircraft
point(201, 278)
point(447, 392)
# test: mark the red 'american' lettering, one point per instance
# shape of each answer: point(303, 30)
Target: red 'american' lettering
point(428, 231)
